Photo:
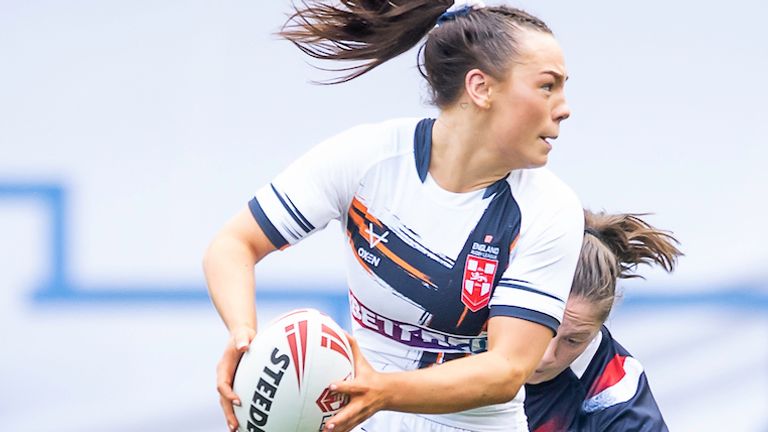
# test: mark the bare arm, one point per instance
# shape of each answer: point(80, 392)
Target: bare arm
point(515, 347)
point(228, 266)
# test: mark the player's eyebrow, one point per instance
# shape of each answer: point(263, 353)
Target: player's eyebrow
point(577, 334)
point(582, 334)
point(557, 75)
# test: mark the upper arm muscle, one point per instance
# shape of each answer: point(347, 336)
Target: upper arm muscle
point(244, 228)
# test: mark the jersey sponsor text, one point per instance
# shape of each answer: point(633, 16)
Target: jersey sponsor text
point(412, 335)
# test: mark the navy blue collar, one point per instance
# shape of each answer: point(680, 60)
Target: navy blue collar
point(422, 148)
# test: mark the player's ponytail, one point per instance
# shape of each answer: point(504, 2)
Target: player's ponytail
point(371, 32)
point(613, 247)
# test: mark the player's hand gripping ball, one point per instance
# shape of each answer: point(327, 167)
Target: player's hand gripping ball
point(284, 376)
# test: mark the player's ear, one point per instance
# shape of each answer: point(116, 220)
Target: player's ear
point(478, 88)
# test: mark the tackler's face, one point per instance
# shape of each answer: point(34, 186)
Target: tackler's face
point(529, 104)
point(579, 327)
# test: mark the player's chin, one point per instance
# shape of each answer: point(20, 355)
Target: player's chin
point(538, 160)
point(539, 155)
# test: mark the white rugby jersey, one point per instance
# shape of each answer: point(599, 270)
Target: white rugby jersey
point(426, 267)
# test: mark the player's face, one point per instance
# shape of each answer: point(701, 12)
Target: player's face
point(526, 113)
point(580, 325)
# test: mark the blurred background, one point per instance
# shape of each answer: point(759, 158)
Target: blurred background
point(130, 131)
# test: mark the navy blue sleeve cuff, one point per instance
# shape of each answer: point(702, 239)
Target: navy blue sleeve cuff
point(526, 314)
point(266, 225)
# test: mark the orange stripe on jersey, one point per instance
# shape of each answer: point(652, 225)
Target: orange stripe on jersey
point(359, 206)
point(356, 218)
point(438, 360)
point(463, 315)
point(514, 243)
point(360, 222)
point(405, 266)
point(356, 203)
point(360, 260)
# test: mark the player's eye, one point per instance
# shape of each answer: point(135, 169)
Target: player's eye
point(572, 341)
point(548, 87)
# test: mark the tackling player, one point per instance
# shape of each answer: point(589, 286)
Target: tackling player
point(586, 380)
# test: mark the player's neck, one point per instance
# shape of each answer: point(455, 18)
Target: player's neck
point(460, 160)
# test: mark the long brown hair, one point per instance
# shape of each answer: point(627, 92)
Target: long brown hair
point(374, 31)
point(614, 245)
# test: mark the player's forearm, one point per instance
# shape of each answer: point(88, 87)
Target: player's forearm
point(228, 267)
point(457, 385)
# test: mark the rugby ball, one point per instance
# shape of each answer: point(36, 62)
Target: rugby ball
point(283, 378)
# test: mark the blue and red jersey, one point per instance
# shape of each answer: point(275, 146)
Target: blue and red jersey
point(611, 394)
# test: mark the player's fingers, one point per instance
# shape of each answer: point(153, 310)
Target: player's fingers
point(242, 338)
point(352, 386)
point(337, 422)
point(350, 416)
point(345, 387)
point(361, 364)
point(229, 413)
point(225, 390)
point(353, 343)
point(225, 372)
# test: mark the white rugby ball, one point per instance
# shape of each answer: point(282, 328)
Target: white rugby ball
point(283, 378)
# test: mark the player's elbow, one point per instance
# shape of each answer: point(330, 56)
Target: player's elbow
point(210, 256)
point(508, 383)
point(217, 256)
point(514, 382)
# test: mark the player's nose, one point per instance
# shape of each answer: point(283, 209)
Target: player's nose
point(550, 355)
